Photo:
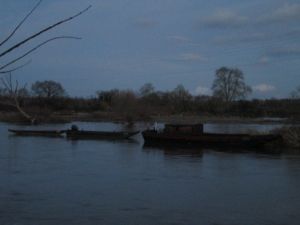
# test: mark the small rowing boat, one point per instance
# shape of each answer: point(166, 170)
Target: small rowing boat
point(44, 133)
point(76, 134)
point(82, 134)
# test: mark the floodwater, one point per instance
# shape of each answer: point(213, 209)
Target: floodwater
point(49, 181)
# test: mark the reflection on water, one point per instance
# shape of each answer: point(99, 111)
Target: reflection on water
point(174, 151)
point(49, 181)
point(240, 128)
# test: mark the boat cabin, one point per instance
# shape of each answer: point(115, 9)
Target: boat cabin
point(184, 128)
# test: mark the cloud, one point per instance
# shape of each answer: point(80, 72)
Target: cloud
point(291, 33)
point(228, 18)
point(200, 90)
point(234, 39)
point(287, 12)
point(285, 51)
point(183, 40)
point(264, 60)
point(224, 18)
point(178, 38)
point(295, 32)
point(263, 88)
point(146, 23)
point(191, 57)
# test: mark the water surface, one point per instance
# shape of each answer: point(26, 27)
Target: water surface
point(49, 181)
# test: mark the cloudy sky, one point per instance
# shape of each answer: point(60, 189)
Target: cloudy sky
point(126, 43)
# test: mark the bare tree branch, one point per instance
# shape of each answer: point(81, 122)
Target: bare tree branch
point(14, 95)
point(15, 68)
point(35, 48)
point(20, 24)
point(43, 31)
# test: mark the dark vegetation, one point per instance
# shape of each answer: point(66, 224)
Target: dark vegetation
point(145, 104)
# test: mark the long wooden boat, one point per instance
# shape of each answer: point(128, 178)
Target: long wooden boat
point(82, 134)
point(44, 133)
point(194, 135)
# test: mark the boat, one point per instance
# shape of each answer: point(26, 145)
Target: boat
point(44, 133)
point(75, 133)
point(81, 134)
point(185, 134)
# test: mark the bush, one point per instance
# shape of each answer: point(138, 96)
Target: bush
point(290, 135)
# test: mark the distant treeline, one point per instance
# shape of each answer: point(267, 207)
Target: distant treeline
point(228, 99)
point(137, 106)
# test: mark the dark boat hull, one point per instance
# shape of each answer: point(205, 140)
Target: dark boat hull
point(99, 135)
point(42, 133)
point(209, 139)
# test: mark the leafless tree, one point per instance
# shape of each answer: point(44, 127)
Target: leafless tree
point(180, 98)
point(48, 89)
point(229, 85)
point(146, 89)
point(12, 64)
point(14, 93)
point(295, 94)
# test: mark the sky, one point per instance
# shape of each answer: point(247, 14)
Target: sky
point(126, 43)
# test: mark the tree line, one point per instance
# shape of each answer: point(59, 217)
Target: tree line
point(228, 99)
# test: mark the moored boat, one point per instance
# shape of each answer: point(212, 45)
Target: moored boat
point(194, 135)
point(75, 133)
point(44, 133)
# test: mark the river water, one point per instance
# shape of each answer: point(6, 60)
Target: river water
point(47, 181)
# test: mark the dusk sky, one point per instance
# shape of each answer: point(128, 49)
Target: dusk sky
point(126, 43)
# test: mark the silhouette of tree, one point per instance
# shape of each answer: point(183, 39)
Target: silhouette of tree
point(14, 93)
point(229, 85)
point(296, 93)
point(146, 89)
point(48, 89)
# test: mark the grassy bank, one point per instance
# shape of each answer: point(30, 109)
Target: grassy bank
point(65, 117)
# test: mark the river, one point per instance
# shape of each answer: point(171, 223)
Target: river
point(49, 181)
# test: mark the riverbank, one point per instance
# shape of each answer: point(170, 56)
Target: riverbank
point(62, 117)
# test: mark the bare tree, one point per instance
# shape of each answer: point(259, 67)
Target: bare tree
point(146, 89)
point(48, 89)
point(10, 62)
point(296, 93)
point(229, 85)
point(14, 93)
point(11, 65)
point(180, 98)
point(181, 93)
